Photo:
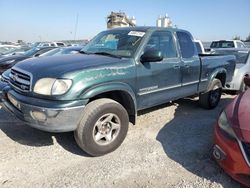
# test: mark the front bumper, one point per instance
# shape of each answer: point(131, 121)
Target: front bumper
point(51, 116)
point(232, 160)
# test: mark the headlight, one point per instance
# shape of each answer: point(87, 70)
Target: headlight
point(225, 125)
point(61, 86)
point(51, 86)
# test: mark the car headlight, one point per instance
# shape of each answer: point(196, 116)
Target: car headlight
point(51, 86)
point(225, 125)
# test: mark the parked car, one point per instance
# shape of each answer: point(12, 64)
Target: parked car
point(4, 48)
point(55, 44)
point(63, 51)
point(15, 51)
point(242, 67)
point(227, 44)
point(97, 92)
point(53, 52)
point(5, 76)
point(199, 46)
point(232, 139)
point(9, 61)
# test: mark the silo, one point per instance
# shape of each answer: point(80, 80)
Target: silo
point(159, 22)
point(166, 22)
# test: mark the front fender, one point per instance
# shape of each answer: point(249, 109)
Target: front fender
point(108, 87)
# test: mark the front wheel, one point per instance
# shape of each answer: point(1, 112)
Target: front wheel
point(103, 127)
point(211, 99)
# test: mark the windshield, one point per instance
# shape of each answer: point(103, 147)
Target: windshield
point(222, 44)
point(51, 52)
point(241, 56)
point(31, 52)
point(122, 43)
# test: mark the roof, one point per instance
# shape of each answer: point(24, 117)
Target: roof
point(227, 41)
point(146, 28)
point(232, 49)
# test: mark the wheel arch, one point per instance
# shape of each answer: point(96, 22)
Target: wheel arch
point(220, 74)
point(119, 92)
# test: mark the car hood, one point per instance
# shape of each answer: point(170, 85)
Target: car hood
point(239, 114)
point(57, 66)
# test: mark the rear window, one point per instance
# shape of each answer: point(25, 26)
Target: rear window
point(60, 44)
point(222, 44)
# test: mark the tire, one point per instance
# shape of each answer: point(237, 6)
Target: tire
point(211, 99)
point(103, 127)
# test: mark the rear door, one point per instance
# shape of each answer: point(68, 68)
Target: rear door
point(158, 82)
point(190, 69)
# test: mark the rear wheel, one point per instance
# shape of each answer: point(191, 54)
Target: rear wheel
point(103, 127)
point(211, 99)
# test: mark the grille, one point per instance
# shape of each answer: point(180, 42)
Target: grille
point(20, 80)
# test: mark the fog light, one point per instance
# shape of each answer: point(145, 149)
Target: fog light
point(39, 116)
point(218, 153)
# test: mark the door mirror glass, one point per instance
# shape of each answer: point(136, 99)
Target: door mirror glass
point(151, 55)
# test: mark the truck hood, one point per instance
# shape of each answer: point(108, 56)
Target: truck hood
point(57, 66)
point(239, 113)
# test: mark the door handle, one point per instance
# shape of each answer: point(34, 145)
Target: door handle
point(177, 66)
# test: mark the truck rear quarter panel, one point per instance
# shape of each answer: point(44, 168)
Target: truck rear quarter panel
point(214, 65)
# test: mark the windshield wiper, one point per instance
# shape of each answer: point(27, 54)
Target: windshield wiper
point(107, 54)
point(84, 52)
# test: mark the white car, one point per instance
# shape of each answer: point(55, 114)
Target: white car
point(199, 46)
point(56, 44)
point(227, 44)
point(4, 48)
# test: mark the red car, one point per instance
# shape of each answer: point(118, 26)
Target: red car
point(232, 138)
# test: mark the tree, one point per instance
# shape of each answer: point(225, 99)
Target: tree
point(248, 38)
point(236, 37)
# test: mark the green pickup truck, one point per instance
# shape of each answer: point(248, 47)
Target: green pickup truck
point(97, 92)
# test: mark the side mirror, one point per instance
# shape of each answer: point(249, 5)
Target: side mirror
point(247, 81)
point(151, 55)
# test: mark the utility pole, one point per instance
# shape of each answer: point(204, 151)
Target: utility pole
point(76, 25)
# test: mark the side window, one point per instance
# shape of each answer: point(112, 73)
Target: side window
point(240, 45)
point(163, 41)
point(186, 45)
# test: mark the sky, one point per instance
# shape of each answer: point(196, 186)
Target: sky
point(51, 20)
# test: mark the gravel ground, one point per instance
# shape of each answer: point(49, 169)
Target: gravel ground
point(169, 147)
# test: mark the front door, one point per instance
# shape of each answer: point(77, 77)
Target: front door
point(158, 82)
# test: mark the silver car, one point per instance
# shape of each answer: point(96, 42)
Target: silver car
point(242, 68)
